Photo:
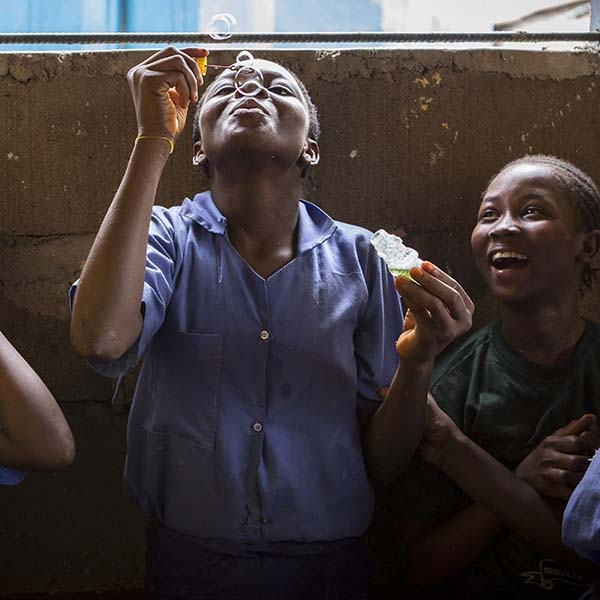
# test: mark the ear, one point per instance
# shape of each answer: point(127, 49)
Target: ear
point(310, 153)
point(199, 157)
point(589, 246)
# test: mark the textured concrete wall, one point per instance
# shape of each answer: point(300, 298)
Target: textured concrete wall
point(409, 141)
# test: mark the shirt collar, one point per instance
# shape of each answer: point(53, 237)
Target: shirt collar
point(314, 225)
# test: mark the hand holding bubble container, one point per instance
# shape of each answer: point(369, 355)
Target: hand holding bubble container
point(398, 257)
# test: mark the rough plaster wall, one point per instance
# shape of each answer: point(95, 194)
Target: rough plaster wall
point(409, 140)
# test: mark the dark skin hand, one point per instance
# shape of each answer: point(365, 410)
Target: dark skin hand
point(558, 464)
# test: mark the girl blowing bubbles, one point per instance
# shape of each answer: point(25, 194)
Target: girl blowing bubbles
point(512, 411)
point(267, 330)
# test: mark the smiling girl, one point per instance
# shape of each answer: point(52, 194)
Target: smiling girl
point(518, 400)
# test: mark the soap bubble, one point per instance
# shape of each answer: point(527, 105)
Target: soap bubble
point(249, 81)
point(244, 59)
point(221, 26)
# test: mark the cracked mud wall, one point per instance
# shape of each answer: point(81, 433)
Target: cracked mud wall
point(409, 140)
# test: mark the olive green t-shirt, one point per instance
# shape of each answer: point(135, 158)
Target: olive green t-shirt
point(507, 405)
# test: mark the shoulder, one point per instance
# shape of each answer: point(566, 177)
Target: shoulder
point(356, 240)
point(346, 245)
point(463, 353)
point(178, 220)
point(173, 215)
point(588, 353)
point(592, 336)
point(355, 235)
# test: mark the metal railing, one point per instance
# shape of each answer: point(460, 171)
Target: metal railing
point(299, 38)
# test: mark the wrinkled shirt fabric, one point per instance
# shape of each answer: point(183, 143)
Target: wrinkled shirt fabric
point(245, 424)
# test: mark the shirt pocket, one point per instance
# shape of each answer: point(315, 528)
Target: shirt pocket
point(186, 370)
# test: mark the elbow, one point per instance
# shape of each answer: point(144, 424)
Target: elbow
point(418, 568)
point(412, 579)
point(102, 346)
point(60, 457)
point(59, 452)
point(65, 452)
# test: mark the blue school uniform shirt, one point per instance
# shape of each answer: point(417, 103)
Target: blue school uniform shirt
point(581, 519)
point(244, 424)
point(11, 476)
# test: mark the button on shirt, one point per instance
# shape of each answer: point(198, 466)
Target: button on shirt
point(244, 423)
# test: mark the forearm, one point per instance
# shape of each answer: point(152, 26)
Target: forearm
point(516, 504)
point(35, 434)
point(395, 430)
point(106, 318)
point(444, 549)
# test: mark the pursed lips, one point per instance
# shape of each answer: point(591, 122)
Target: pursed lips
point(248, 104)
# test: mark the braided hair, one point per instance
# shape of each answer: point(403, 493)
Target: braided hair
point(582, 191)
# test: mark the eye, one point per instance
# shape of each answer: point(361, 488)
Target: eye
point(533, 211)
point(487, 215)
point(281, 90)
point(224, 90)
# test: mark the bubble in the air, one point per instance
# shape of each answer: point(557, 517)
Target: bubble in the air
point(249, 81)
point(222, 26)
point(244, 59)
point(250, 88)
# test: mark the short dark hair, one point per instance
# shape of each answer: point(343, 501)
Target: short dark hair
point(581, 189)
point(314, 127)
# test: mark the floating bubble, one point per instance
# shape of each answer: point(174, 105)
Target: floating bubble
point(249, 81)
point(244, 59)
point(221, 26)
point(251, 88)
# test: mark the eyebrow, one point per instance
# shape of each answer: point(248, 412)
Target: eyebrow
point(528, 196)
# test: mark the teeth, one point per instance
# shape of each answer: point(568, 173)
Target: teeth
point(498, 255)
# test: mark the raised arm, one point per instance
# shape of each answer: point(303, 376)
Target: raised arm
point(106, 318)
point(34, 434)
point(439, 311)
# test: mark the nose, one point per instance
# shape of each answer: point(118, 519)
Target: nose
point(503, 227)
point(249, 82)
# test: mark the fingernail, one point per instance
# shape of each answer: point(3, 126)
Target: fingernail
point(417, 272)
point(428, 266)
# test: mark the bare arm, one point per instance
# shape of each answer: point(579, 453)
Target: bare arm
point(559, 462)
point(106, 318)
point(439, 311)
point(34, 434)
point(444, 549)
point(516, 504)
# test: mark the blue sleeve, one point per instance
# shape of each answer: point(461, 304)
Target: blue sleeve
point(11, 476)
point(158, 287)
point(376, 335)
point(581, 519)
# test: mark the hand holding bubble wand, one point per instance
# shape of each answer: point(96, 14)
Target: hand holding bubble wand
point(248, 80)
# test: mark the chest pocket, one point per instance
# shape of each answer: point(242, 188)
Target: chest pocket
point(186, 374)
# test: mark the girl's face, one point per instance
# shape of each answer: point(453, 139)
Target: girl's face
point(274, 122)
point(527, 241)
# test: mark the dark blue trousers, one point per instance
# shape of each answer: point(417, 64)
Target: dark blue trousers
point(180, 566)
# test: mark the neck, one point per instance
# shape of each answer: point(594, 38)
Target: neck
point(262, 218)
point(547, 336)
point(266, 206)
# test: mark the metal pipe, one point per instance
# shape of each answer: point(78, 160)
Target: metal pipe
point(303, 38)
